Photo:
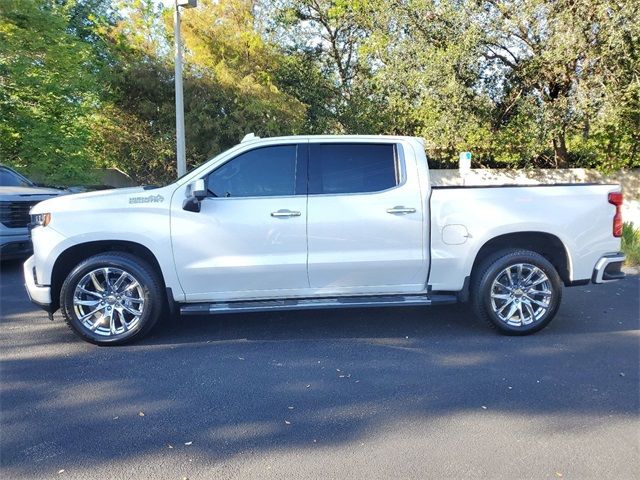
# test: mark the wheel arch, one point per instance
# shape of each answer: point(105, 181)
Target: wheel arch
point(69, 258)
point(543, 243)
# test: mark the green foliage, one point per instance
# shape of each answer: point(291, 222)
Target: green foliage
point(574, 63)
point(631, 243)
point(228, 88)
point(231, 61)
point(47, 94)
point(520, 83)
point(299, 76)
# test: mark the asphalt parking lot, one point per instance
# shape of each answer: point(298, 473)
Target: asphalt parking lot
point(379, 393)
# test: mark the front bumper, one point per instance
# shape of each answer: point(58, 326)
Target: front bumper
point(15, 246)
point(38, 294)
point(609, 268)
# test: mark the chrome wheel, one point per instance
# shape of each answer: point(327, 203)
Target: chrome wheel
point(108, 301)
point(521, 294)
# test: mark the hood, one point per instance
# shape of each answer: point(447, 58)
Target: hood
point(28, 191)
point(104, 199)
point(107, 193)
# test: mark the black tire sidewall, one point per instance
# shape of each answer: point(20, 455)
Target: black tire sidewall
point(143, 275)
point(512, 258)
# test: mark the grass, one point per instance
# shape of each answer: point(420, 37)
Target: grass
point(631, 243)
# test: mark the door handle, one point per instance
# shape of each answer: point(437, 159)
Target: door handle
point(401, 209)
point(283, 213)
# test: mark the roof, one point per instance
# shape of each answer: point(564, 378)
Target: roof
point(250, 137)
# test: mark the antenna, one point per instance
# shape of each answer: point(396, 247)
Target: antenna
point(249, 136)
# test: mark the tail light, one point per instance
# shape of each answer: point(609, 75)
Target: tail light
point(615, 198)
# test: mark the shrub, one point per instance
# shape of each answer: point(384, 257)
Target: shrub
point(631, 243)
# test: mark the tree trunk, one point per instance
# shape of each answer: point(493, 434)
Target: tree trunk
point(560, 154)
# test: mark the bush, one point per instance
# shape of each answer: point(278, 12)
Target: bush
point(631, 243)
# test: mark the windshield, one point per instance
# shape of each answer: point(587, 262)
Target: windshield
point(9, 178)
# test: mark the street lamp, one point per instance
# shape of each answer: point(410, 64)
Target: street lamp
point(180, 144)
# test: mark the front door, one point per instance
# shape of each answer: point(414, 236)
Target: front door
point(249, 239)
point(366, 229)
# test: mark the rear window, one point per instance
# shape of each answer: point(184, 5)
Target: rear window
point(352, 167)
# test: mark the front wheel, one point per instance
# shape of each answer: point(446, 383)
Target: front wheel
point(516, 291)
point(111, 299)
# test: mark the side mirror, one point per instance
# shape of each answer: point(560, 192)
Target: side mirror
point(198, 189)
point(195, 193)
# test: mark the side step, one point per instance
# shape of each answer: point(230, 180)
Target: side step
point(315, 303)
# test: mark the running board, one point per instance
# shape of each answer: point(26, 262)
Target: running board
point(316, 303)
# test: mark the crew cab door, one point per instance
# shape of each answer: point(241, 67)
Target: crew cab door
point(249, 239)
point(366, 231)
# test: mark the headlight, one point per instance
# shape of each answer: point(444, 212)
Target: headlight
point(40, 219)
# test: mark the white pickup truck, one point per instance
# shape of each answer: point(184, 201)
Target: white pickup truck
point(318, 222)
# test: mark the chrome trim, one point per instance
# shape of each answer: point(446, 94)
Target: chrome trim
point(315, 303)
point(401, 209)
point(267, 305)
point(283, 213)
point(603, 263)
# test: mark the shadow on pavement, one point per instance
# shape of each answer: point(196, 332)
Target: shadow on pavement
point(227, 382)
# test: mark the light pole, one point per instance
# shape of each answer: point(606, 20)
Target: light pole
point(180, 145)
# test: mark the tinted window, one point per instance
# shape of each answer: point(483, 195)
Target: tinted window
point(267, 171)
point(352, 168)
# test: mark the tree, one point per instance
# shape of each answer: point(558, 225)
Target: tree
point(48, 92)
point(558, 61)
point(324, 38)
point(229, 88)
point(426, 73)
point(519, 82)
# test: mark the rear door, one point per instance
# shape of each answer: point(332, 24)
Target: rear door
point(365, 219)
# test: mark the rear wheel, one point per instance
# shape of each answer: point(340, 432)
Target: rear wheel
point(111, 299)
point(516, 291)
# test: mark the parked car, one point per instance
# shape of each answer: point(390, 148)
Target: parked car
point(17, 195)
point(316, 222)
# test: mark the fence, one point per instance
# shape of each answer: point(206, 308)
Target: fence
point(629, 179)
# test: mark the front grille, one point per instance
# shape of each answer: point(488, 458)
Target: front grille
point(15, 214)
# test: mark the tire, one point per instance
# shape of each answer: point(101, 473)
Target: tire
point(494, 299)
point(127, 307)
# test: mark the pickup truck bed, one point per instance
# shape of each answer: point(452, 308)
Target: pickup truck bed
point(573, 221)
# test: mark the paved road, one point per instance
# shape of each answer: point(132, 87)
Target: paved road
point(385, 393)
